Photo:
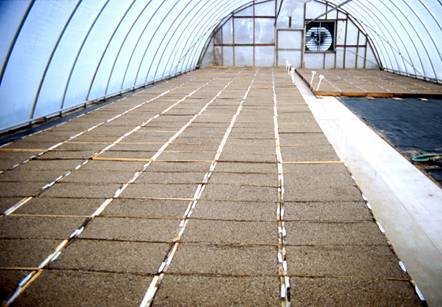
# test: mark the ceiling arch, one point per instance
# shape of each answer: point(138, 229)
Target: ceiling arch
point(57, 55)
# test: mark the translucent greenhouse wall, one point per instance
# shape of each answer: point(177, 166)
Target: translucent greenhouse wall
point(59, 55)
point(254, 36)
point(404, 35)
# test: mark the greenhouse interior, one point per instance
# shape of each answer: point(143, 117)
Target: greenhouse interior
point(221, 153)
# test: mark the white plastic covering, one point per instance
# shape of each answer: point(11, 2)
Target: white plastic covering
point(406, 33)
point(57, 55)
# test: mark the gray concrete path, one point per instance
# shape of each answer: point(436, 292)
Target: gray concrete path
point(215, 188)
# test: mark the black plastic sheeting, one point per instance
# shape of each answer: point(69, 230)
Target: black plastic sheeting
point(412, 125)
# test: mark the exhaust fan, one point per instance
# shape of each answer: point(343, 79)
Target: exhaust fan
point(319, 36)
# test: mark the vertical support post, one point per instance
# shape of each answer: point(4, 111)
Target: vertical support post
point(222, 45)
point(233, 40)
point(326, 17)
point(275, 31)
point(326, 10)
point(336, 36)
point(357, 49)
point(254, 34)
point(303, 36)
point(365, 53)
point(276, 47)
point(345, 41)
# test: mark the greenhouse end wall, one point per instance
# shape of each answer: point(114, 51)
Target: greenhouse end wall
point(259, 36)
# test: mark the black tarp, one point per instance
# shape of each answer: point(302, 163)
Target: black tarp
point(412, 125)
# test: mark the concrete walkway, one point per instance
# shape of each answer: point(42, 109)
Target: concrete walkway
point(215, 188)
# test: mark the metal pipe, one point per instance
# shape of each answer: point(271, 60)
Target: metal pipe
point(409, 37)
point(191, 34)
point(379, 26)
point(185, 62)
point(105, 49)
point(49, 61)
point(410, 62)
point(191, 60)
point(199, 27)
point(170, 39)
point(122, 44)
point(279, 11)
point(141, 35)
point(180, 39)
point(336, 7)
point(14, 39)
point(79, 52)
point(182, 10)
